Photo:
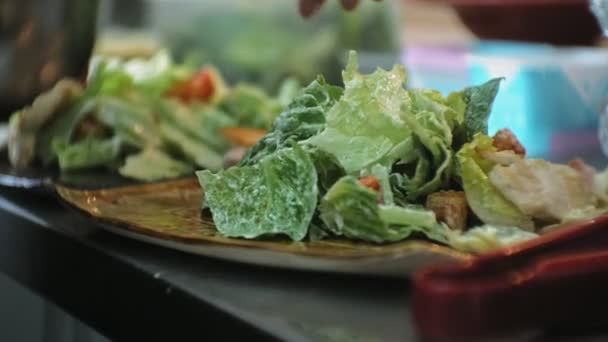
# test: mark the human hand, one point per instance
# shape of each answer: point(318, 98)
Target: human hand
point(309, 7)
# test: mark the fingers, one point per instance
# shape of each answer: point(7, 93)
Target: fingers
point(309, 7)
point(349, 4)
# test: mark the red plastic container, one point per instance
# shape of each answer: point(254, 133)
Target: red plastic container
point(560, 22)
point(559, 279)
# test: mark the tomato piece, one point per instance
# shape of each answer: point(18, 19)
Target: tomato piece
point(180, 90)
point(370, 182)
point(240, 136)
point(201, 86)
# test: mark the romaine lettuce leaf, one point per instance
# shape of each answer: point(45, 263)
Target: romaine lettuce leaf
point(200, 122)
point(108, 81)
point(152, 165)
point(479, 100)
point(451, 109)
point(426, 178)
point(600, 186)
point(190, 148)
point(352, 210)
point(456, 102)
point(430, 160)
point(112, 76)
point(276, 196)
point(382, 175)
point(302, 119)
point(89, 152)
point(61, 130)
point(365, 124)
point(288, 90)
point(133, 124)
point(582, 214)
point(488, 237)
point(316, 231)
point(250, 106)
point(328, 168)
point(484, 199)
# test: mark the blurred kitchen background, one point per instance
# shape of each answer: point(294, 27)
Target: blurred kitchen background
point(551, 53)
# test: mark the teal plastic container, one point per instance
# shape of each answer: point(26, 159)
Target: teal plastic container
point(551, 97)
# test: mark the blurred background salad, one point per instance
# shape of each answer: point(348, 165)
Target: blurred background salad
point(260, 42)
point(556, 74)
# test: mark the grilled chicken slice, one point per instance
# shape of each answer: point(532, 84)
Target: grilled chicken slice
point(449, 207)
point(586, 171)
point(505, 158)
point(541, 189)
point(25, 124)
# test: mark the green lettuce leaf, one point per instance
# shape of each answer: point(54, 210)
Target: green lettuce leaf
point(200, 122)
point(132, 123)
point(479, 100)
point(62, 128)
point(128, 121)
point(288, 90)
point(365, 124)
point(488, 237)
point(457, 103)
point(276, 196)
point(428, 164)
point(352, 210)
point(191, 148)
point(450, 109)
point(88, 153)
point(600, 186)
point(302, 119)
point(250, 106)
point(152, 165)
point(151, 77)
point(582, 214)
point(107, 81)
point(382, 174)
point(328, 169)
point(484, 199)
point(316, 232)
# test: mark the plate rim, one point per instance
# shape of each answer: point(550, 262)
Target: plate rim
point(305, 261)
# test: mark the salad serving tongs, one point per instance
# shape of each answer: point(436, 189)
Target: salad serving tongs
point(557, 280)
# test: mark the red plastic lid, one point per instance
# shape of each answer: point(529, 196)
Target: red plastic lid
point(559, 278)
point(513, 2)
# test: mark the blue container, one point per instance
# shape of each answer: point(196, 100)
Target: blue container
point(551, 97)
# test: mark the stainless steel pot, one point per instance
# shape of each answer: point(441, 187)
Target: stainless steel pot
point(42, 41)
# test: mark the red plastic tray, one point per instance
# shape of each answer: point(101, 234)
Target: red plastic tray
point(558, 279)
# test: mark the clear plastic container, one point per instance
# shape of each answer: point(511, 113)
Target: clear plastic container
point(551, 97)
point(600, 9)
point(264, 41)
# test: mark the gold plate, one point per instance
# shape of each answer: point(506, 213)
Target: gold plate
point(169, 214)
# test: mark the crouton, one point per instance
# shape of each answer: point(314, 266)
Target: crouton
point(505, 140)
point(450, 207)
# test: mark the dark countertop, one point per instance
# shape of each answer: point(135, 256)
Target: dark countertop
point(130, 291)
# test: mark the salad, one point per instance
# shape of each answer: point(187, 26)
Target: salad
point(373, 161)
point(246, 45)
point(145, 119)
